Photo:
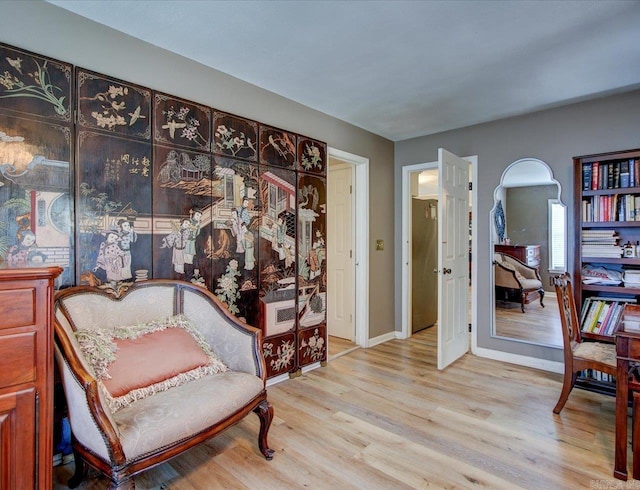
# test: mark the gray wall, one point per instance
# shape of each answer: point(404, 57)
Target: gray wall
point(528, 222)
point(554, 136)
point(51, 31)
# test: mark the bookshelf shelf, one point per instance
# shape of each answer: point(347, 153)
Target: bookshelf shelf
point(611, 224)
point(611, 289)
point(607, 208)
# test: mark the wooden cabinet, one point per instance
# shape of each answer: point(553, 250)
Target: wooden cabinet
point(529, 254)
point(607, 216)
point(26, 377)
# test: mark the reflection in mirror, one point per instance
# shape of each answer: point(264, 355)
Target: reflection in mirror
point(528, 236)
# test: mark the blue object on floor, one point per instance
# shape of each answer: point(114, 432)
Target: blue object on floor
point(64, 446)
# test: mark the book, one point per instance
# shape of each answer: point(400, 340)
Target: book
point(602, 315)
point(624, 173)
point(605, 317)
point(585, 310)
point(595, 170)
point(586, 177)
point(614, 323)
point(591, 316)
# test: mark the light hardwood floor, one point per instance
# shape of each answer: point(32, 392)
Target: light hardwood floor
point(385, 418)
point(538, 324)
point(338, 347)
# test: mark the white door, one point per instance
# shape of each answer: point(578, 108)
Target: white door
point(340, 265)
point(453, 261)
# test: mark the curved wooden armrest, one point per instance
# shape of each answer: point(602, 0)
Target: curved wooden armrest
point(90, 385)
point(507, 277)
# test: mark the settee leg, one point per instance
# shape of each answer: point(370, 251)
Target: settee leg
point(80, 471)
point(125, 485)
point(541, 293)
point(265, 413)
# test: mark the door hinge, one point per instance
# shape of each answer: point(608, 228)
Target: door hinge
point(350, 189)
point(350, 254)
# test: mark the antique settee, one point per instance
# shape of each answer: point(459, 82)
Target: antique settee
point(516, 281)
point(151, 370)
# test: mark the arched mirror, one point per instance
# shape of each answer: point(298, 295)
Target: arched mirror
point(528, 239)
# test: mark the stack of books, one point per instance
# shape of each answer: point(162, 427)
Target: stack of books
point(600, 244)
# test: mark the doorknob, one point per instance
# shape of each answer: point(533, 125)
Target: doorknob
point(446, 271)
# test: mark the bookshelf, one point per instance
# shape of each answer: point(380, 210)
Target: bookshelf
point(607, 236)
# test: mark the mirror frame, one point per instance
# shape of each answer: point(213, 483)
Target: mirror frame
point(543, 176)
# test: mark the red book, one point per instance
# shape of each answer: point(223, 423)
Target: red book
point(595, 176)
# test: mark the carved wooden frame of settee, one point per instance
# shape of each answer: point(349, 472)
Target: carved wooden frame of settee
point(85, 400)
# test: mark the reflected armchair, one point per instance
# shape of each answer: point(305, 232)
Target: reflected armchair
point(516, 281)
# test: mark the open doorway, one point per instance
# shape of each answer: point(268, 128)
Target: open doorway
point(347, 252)
point(420, 302)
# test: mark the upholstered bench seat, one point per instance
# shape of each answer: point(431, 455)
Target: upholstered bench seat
point(183, 411)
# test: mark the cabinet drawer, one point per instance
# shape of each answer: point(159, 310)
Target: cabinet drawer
point(18, 354)
point(17, 307)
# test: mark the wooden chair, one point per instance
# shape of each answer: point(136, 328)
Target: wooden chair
point(578, 355)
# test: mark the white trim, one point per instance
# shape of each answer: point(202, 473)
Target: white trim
point(474, 253)
point(532, 362)
point(310, 367)
point(384, 338)
point(277, 379)
point(406, 252)
point(361, 241)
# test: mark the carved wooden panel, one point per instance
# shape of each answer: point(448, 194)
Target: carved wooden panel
point(236, 223)
point(280, 354)
point(35, 206)
point(312, 156)
point(36, 86)
point(113, 209)
point(182, 214)
point(112, 105)
point(277, 257)
point(178, 122)
point(277, 147)
point(312, 345)
point(312, 250)
point(235, 136)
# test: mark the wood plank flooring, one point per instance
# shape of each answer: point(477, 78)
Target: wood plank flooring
point(385, 418)
point(538, 325)
point(338, 347)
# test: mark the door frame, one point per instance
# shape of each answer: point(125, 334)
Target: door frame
point(407, 170)
point(360, 241)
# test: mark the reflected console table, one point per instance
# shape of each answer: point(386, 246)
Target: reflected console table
point(529, 254)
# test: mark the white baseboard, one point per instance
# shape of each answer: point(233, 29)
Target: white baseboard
point(383, 338)
point(277, 379)
point(532, 362)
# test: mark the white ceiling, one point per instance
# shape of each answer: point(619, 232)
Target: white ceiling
point(399, 68)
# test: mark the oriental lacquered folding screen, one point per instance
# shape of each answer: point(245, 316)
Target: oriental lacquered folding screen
point(141, 184)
